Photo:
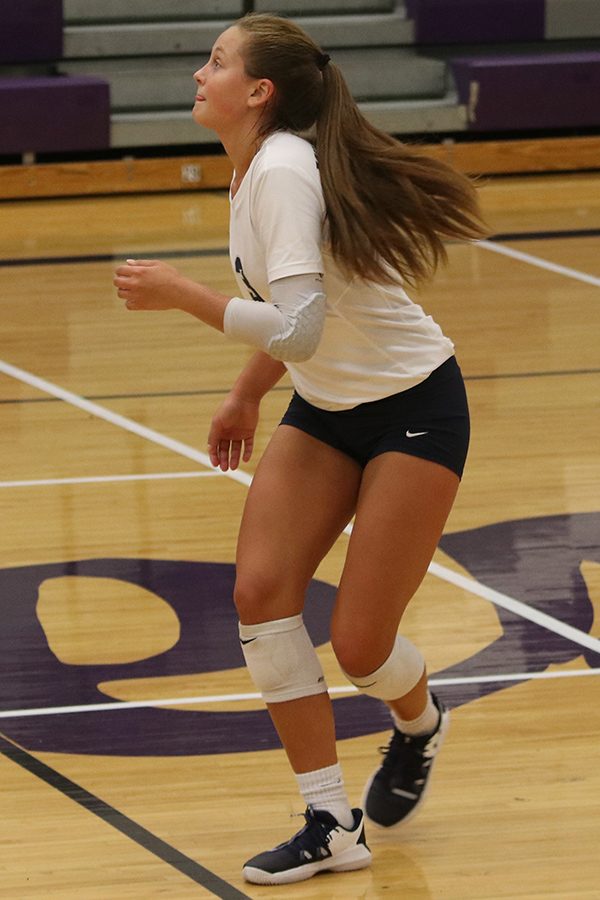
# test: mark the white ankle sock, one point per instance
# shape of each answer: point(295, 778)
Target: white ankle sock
point(426, 723)
point(324, 789)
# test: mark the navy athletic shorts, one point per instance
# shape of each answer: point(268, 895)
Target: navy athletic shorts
point(430, 420)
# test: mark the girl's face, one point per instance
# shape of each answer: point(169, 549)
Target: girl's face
point(225, 94)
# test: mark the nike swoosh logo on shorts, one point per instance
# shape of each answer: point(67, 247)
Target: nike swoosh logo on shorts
point(415, 433)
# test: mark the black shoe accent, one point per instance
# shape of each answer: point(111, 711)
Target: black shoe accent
point(397, 789)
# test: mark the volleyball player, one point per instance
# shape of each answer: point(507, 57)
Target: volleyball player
point(327, 228)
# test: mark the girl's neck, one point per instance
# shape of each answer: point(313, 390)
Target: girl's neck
point(241, 154)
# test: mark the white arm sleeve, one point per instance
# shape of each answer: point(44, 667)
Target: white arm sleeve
point(290, 327)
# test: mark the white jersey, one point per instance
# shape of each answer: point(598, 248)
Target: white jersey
point(376, 341)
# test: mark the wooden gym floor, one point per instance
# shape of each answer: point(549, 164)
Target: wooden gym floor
point(135, 759)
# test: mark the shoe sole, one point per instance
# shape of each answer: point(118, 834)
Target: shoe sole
point(444, 726)
point(358, 857)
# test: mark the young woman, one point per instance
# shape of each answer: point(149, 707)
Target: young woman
point(324, 235)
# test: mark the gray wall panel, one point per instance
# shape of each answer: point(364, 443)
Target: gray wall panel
point(149, 10)
point(320, 7)
point(572, 19)
point(160, 83)
point(176, 127)
point(151, 38)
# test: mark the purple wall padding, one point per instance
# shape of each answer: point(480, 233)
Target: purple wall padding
point(31, 30)
point(47, 115)
point(468, 21)
point(524, 92)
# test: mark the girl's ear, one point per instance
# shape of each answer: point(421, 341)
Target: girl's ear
point(262, 93)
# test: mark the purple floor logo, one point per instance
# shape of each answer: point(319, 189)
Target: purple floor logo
point(536, 561)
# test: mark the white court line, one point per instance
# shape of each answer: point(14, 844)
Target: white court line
point(539, 262)
point(104, 479)
point(517, 607)
point(101, 412)
point(116, 706)
point(511, 604)
point(468, 584)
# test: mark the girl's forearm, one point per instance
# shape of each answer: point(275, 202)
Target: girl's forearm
point(258, 376)
point(202, 302)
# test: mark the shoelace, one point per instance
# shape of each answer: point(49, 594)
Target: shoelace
point(409, 754)
point(313, 834)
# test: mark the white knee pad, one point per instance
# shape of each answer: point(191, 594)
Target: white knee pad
point(282, 660)
point(397, 676)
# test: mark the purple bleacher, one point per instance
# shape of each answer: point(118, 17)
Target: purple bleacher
point(31, 31)
point(548, 90)
point(479, 21)
point(54, 114)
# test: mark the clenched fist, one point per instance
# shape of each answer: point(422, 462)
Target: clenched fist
point(148, 284)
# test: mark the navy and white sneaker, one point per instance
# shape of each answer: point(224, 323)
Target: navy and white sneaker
point(322, 845)
point(396, 790)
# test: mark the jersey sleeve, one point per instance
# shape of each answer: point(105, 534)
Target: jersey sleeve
point(288, 212)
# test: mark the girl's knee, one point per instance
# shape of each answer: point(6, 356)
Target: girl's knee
point(264, 596)
point(252, 595)
point(359, 650)
point(388, 673)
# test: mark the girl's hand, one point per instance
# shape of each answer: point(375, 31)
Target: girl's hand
point(148, 284)
point(232, 427)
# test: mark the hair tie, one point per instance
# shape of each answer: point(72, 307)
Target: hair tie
point(322, 60)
